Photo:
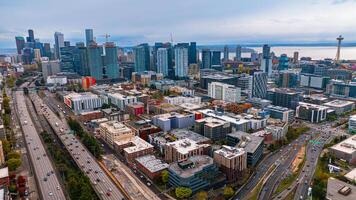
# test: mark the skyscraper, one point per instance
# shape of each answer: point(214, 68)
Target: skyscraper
point(27, 55)
point(95, 62)
point(20, 44)
point(283, 62)
point(66, 43)
point(216, 58)
point(206, 59)
point(110, 61)
point(59, 42)
point(47, 50)
point(266, 62)
point(226, 53)
point(67, 58)
point(31, 36)
point(162, 61)
point(181, 60)
point(192, 53)
point(259, 88)
point(295, 57)
point(238, 53)
point(142, 57)
point(89, 36)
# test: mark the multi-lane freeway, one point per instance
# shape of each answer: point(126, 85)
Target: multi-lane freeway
point(47, 180)
point(101, 182)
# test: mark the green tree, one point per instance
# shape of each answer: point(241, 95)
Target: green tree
point(6, 146)
point(13, 163)
point(202, 195)
point(183, 192)
point(228, 192)
point(12, 188)
point(165, 176)
point(105, 106)
point(14, 155)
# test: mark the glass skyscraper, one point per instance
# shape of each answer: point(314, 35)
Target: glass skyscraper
point(89, 36)
point(162, 61)
point(206, 59)
point(59, 42)
point(192, 53)
point(110, 61)
point(142, 57)
point(259, 88)
point(238, 53)
point(216, 58)
point(20, 44)
point(181, 60)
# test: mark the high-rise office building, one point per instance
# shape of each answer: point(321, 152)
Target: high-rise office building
point(206, 59)
point(283, 62)
point(226, 53)
point(95, 62)
point(162, 61)
point(181, 60)
point(47, 50)
point(27, 55)
point(37, 54)
point(67, 58)
point(223, 91)
point(81, 61)
point(266, 62)
point(66, 43)
point(295, 57)
point(20, 44)
point(216, 58)
point(31, 36)
point(142, 57)
point(154, 65)
point(259, 88)
point(59, 42)
point(192, 53)
point(89, 36)
point(110, 62)
point(238, 53)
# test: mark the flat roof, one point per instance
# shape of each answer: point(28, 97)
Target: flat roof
point(335, 186)
point(351, 175)
point(197, 164)
point(151, 163)
point(247, 141)
point(80, 96)
point(115, 127)
point(168, 116)
point(184, 146)
point(212, 122)
point(233, 120)
point(338, 103)
point(185, 133)
point(347, 146)
point(230, 152)
point(191, 106)
point(138, 144)
point(310, 105)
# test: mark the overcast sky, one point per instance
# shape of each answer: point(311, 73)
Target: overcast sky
point(130, 22)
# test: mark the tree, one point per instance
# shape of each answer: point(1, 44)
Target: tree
point(228, 192)
point(13, 163)
point(14, 155)
point(105, 106)
point(6, 146)
point(183, 192)
point(165, 176)
point(12, 188)
point(202, 195)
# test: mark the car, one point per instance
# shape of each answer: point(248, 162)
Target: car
point(96, 171)
point(98, 180)
point(38, 158)
point(108, 193)
point(48, 174)
point(45, 179)
point(88, 161)
point(110, 190)
point(50, 193)
point(95, 183)
point(101, 192)
point(58, 188)
point(148, 184)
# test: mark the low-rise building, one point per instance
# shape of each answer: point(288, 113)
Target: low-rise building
point(112, 131)
point(196, 173)
point(113, 114)
point(278, 131)
point(232, 161)
point(143, 128)
point(345, 150)
point(177, 100)
point(173, 120)
point(132, 148)
point(146, 77)
point(351, 175)
point(339, 190)
point(135, 109)
point(4, 177)
point(88, 116)
point(121, 101)
point(151, 166)
point(83, 102)
point(258, 102)
point(311, 112)
point(57, 80)
point(340, 106)
point(253, 145)
point(212, 128)
point(181, 150)
point(352, 124)
point(282, 113)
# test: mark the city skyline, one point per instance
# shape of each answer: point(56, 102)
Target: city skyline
point(208, 23)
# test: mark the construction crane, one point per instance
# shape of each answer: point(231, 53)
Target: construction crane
point(106, 36)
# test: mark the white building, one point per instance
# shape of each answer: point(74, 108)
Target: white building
point(345, 150)
point(224, 92)
point(56, 80)
point(112, 131)
point(352, 123)
point(178, 100)
point(311, 112)
point(120, 100)
point(83, 102)
point(181, 61)
point(340, 106)
point(50, 68)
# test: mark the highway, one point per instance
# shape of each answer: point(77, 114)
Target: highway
point(47, 180)
point(100, 181)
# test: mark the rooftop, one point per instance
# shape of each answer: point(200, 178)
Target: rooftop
point(347, 146)
point(184, 133)
point(351, 175)
point(312, 106)
point(4, 172)
point(230, 152)
point(339, 190)
point(115, 127)
point(184, 146)
point(168, 116)
point(191, 166)
point(137, 143)
point(151, 163)
point(248, 142)
point(234, 120)
point(190, 106)
point(80, 96)
point(338, 103)
point(212, 122)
